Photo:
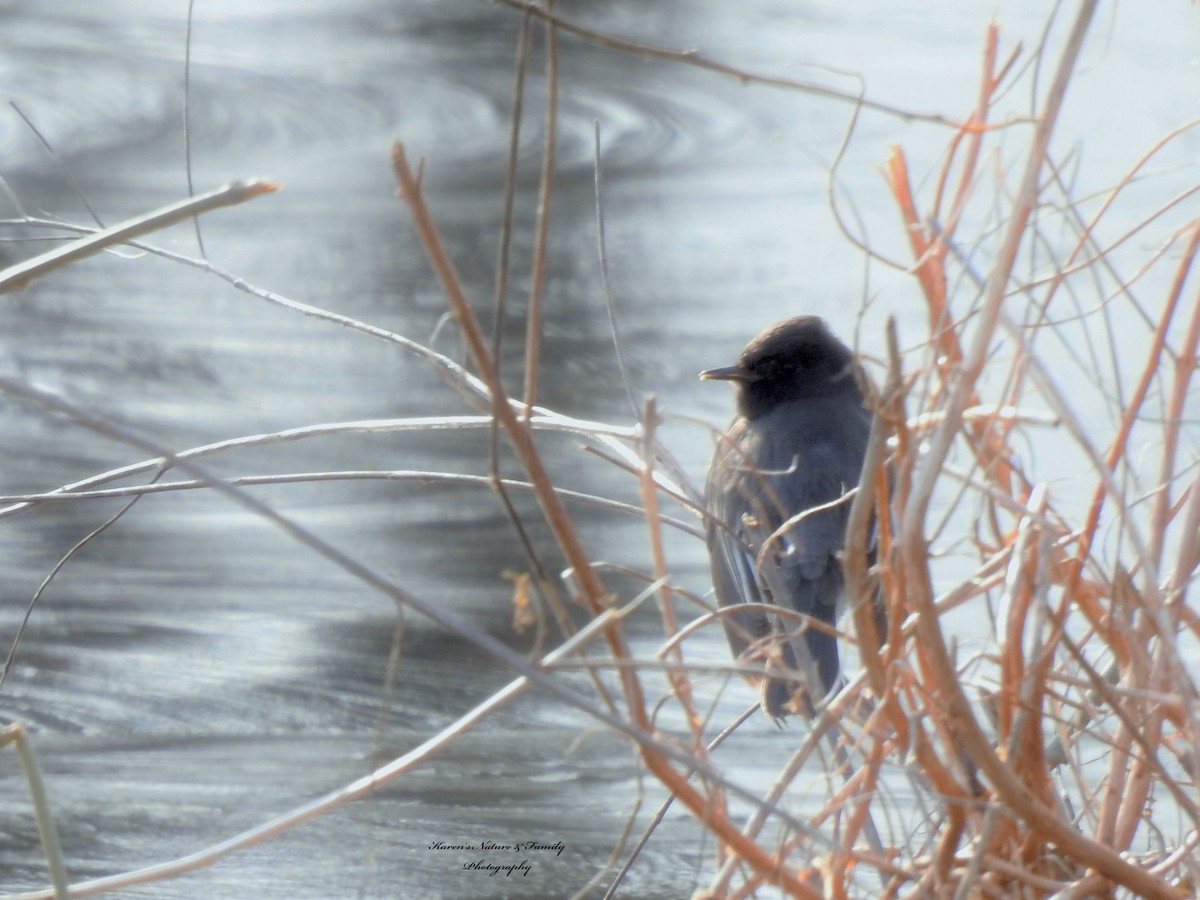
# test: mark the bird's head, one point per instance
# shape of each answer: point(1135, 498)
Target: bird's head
point(797, 359)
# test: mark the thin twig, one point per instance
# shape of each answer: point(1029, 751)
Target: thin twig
point(594, 593)
point(18, 277)
point(693, 58)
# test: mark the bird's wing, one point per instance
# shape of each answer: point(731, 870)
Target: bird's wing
point(778, 510)
point(731, 554)
point(801, 494)
point(797, 565)
point(794, 569)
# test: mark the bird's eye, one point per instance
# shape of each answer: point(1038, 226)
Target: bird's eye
point(774, 368)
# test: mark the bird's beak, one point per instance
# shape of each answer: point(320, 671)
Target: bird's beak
point(727, 373)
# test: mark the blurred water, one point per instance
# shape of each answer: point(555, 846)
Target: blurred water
point(192, 672)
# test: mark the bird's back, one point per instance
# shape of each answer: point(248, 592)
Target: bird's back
point(781, 466)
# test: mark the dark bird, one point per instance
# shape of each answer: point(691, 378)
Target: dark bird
point(777, 503)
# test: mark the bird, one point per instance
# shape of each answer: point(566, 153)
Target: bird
point(777, 501)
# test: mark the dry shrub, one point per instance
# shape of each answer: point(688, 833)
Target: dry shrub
point(1059, 757)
